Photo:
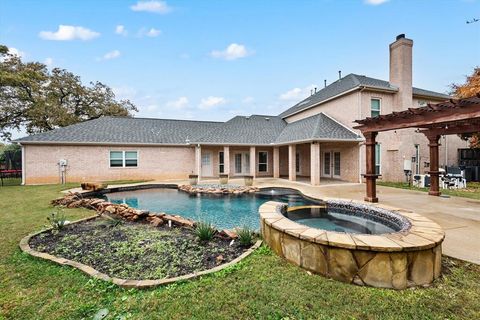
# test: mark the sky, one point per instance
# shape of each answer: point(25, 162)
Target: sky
point(211, 60)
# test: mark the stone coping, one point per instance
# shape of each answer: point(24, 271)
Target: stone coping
point(422, 233)
point(126, 283)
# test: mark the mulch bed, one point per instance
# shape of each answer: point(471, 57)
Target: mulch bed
point(132, 250)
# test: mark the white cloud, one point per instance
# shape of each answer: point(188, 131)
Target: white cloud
point(297, 94)
point(48, 62)
point(153, 33)
point(16, 52)
point(375, 2)
point(152, 6)
point(210, 102)
point(111, 55)
point(120, 29)
point(232, 52)
point(180, 103)
point(66, 33)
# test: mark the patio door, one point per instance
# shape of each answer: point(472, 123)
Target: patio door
point(207, 165)
point(331, 164)
point(242, 163)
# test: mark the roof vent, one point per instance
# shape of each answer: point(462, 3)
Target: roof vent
point(247, 117)
point(400, 36)
point(266, 118)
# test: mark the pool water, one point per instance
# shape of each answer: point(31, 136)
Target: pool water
point(224, 211)
point(335, 221)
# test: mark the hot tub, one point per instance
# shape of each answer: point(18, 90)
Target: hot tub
point(356, 242)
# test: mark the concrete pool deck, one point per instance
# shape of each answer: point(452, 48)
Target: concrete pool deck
point(459, 217)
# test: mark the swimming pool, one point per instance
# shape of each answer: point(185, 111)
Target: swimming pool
point(224, 211)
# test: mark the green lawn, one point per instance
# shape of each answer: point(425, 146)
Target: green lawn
point(262, 286)
point(472, 191)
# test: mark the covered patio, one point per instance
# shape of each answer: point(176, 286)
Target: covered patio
point(459, 116)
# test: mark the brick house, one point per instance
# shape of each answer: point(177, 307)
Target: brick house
point(313, 140)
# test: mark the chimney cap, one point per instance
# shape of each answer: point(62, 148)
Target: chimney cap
point(401, 36)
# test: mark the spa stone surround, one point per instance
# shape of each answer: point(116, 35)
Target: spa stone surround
point(407, 258)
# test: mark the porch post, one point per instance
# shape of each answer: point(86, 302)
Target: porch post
point(370, 175)
point(315, 163)
point(198, 161)
point(253, 162)
point(276, 162)
point(292, 172)
point(226, 160)
point(434, 172)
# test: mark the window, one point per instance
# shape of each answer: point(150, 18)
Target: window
point(262, 161)
point(377, 159)
point(422, 103)
point(123, 159)
point(221, 162)
point(297, 162)
point(336, 164)
point(375, 107)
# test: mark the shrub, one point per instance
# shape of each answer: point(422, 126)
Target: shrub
point(204, 231)
point(57, 220)
point(245, 236)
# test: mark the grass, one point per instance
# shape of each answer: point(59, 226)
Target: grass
point(262, 286)
point(472, 191)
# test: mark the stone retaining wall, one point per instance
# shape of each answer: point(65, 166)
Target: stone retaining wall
point(398, 260)
point(217, 189)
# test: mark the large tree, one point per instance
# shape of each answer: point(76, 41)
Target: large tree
point(37, 99)
point(470, 88)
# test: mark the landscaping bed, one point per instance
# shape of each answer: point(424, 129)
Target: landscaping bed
point(133, 250)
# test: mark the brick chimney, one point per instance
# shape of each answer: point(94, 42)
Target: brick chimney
point(401, 72)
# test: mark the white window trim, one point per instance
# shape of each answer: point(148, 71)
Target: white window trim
point(266, 163)
point(379, 157)
point(379, 105)
point(123, 159)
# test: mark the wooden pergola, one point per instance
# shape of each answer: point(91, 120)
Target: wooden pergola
point(455, 116)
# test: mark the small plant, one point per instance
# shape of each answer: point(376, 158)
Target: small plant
point(204, 231)
point(57, 220)
point(113, 222)
point(245, 236)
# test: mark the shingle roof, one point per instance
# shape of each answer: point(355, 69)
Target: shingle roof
point(252, 130)
point(127, 130)
point(349, 82)
point(255, 130)
point(428, 93)
point(316, 127)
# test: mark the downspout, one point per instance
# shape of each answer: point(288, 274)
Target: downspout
point(360, 144)
point(24, 167)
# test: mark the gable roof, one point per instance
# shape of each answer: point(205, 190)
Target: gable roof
point(316, 127)
point(126, 130)
point(352, 82)
point(250, 130)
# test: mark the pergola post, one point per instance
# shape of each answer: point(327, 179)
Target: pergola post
point(370, 175)
point(434, 172)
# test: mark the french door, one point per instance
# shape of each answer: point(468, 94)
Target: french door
point(331, 164)
point(242, 163)
point(207, 165)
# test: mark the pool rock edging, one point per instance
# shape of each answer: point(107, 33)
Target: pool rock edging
point(409, 258)
point(125, 283)
point(194, 189)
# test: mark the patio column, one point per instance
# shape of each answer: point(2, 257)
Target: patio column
point(292, 172)
point(198, 161)
point(370, 175)
point(276, 162)
point(434, 172)
point(253, 162)
point(315, 163)
point(226, 160)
